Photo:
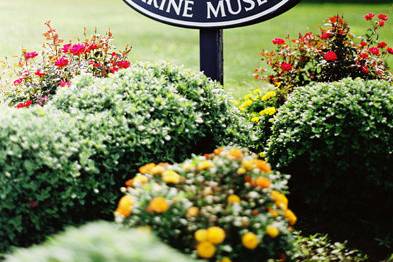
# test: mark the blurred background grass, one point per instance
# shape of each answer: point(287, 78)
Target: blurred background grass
point(21, 26)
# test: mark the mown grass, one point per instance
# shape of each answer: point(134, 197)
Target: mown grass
point(21, 25)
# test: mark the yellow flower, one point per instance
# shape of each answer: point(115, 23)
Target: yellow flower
point(248, 164)
point(280, 199)
point(255, 119)
point(206, 250)
point(262, 154)
point(225, 259)
point(218, 150)
point(233, 199)
point(273, 212)
point(263, 166)
point(291, 217)
point(171, 177)
point(125, 205)
point(215, 235)
point(204, 165)
point(192, 212)
point(268, 95)
point(235, 153)
point(158, 170)
point(241, 171)
point(250, 240)
point(245, 104)
point(146, 169)
point(272, 231)
point(257, 91)
point(139, 180)
point(200, 235)
point(158, 205)
point(248, 97)
point(268, 111)
point(263, 182)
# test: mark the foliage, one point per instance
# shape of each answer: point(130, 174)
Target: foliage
point(332, 55)
point(336, 139)
point(63, 163)
point(39, 75)
point(319, 248)
point(223, 206)
point(99, 241)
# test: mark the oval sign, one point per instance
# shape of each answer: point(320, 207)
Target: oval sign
point(211, 13)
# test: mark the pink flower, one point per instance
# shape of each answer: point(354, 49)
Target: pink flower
point(66, 48)
point(286, 67)
point(383, 17)
point(30, 55)
point(62, 62)
point(39, 73)
point(325, 35)
point(18, 81)
point(64, 83)
point(123, 64)
point(369, 16)
point(390, 50)
point(278, 41)
point(24, 104)
point(382, 44)
point(381, 23)
point(374, 51)
point(330, 56)
point(77, 49)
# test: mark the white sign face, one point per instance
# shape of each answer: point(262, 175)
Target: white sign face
point(211, 13)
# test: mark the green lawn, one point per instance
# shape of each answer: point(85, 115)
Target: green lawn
point(21, 25)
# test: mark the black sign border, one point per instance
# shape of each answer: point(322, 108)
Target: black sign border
point(277, 12)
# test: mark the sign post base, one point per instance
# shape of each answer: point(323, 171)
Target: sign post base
point(211, 53)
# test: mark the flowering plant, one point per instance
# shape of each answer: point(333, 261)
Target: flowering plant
point(333, 54)
point(223, 206)
point(39, 75)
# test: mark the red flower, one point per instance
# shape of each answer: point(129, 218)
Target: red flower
point(374, 51)
point(363, 55)
point(381, 23)
point(39, 73)
point(286, 67)
point(123, 64)
point(114, 69)
point(330, 56)
point(325, 35)
point(390, 50)
point(364, 70)
point(77, 49)
point(66, 48)
point(64, 83)
point(91, 47)
point(24, 104)
point(363, 44)
point(278, 41)
point(383, 17)
point(18, 81)
point(382, 44)
point(30, 55)
point(62, 62)
point(369, 16)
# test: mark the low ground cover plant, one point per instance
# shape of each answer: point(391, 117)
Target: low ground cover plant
point(224, 206)
point(336, 139)
point(100, 241)
point(39, 74)
point(64, 162)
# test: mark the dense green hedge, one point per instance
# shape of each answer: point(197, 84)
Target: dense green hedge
point(99, 241)
point(336, 139)
point(65, 167)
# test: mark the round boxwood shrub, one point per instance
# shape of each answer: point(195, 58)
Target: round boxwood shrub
point(336, 139)
point(63, 164)
point(100, 241)
point(224, 206)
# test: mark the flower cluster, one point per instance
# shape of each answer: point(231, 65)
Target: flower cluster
point(39, 75)
point(331, 55)
point(225, 206)
point(259, 107)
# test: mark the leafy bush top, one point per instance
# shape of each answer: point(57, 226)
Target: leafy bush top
point(99, 241)
point(225, 205)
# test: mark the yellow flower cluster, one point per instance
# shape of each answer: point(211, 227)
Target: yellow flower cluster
point(207, 240)
point(268, 95)
point(269, 111)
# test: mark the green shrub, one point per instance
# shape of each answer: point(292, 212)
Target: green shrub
point(99, 241)
point(319, 248)
point(225, 205)
point(337, 141)
point(65, 167)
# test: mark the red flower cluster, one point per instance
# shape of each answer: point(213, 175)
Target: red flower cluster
point(28, 103)
point(278, 41)
point(30, 55)
point(382, 19)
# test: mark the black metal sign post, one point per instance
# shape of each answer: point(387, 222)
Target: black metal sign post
point(211, 17)
point(211, 53)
